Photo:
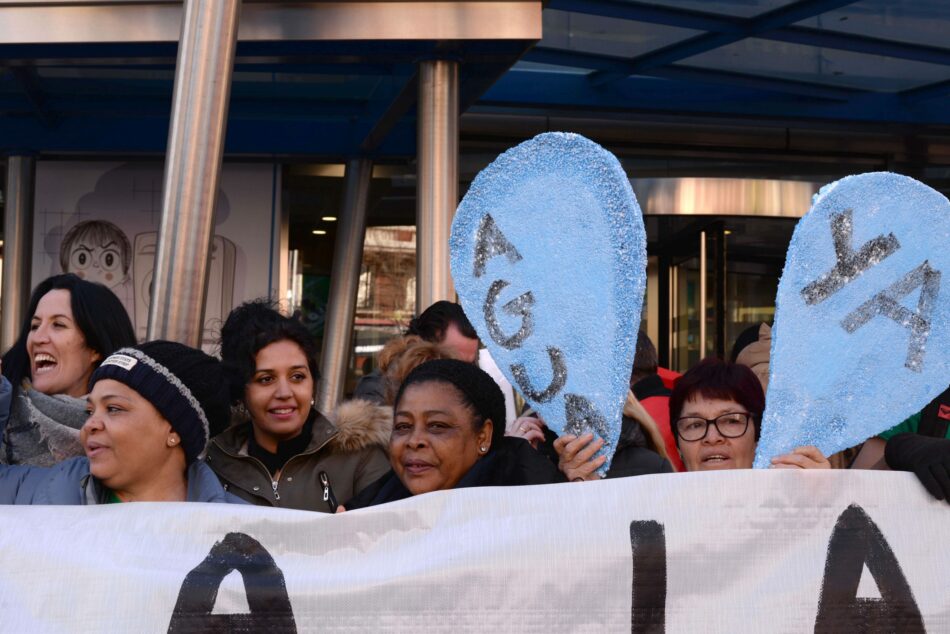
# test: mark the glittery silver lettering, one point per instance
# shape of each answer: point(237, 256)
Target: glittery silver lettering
point(490, 242)
point(583, 417)
point(520, 305)
point(848, 263)
point(558, 378)
point(887, 303)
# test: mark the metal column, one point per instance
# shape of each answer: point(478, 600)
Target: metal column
point(437, 179)
point(192, 169)
point(17, 246)
point(341, 305)
point(701, 311)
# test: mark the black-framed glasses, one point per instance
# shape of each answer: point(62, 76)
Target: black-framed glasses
point(731, 425)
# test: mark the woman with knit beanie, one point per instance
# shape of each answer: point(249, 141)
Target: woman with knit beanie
point(151, 410)
point(445, 436)
point(282, 452)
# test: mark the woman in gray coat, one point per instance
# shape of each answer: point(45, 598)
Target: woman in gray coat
point(71, 325)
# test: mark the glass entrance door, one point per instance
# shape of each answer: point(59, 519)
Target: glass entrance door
point(695, 303)
point(715, 278)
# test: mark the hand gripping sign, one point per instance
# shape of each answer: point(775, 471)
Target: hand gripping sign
point(862, 325)
point(549, 261)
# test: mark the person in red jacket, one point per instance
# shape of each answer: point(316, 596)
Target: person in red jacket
point(652, 392)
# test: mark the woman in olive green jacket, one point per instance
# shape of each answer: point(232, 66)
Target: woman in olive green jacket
point(282, 452)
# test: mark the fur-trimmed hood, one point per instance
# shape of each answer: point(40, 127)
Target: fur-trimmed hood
point(360, 424)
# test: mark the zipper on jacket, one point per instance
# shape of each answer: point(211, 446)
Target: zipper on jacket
point(253, 460)
point(327, 491)
point(328, 496)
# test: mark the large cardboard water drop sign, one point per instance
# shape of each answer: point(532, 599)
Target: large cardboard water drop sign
point(549, 261)
point(862, 327)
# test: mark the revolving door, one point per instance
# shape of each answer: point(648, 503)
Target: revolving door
point(714, 276)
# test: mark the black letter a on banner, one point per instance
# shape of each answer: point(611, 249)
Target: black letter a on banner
point(648, 611)
point(263, 582)
point(856, 541)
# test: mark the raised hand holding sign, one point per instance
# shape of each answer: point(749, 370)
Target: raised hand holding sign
point(861, 338)
point(549, 261)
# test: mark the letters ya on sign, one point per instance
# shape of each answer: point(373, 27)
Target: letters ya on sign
point(861, 320)
point(851, 263)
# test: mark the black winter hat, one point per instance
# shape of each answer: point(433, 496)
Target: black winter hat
point(185, 385)
point(473, 382)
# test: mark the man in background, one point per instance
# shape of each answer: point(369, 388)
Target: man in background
point(443, 323)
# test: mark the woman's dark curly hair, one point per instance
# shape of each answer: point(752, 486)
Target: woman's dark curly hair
point(255, 325)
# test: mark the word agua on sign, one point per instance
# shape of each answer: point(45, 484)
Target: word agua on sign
point(581, 415)
point(855, 542)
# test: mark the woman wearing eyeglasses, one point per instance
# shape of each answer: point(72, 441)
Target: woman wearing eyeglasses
point(715, 412)
point(716, 409)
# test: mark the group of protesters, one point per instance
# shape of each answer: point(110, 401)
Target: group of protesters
point(89, 416)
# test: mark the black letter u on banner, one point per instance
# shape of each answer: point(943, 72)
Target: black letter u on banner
point(263, 582)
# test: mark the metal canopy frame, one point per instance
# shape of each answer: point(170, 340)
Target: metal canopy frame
point(126, 21)
point(302, 46)
point(662, 79)
point(759, 26)
point(96, 76)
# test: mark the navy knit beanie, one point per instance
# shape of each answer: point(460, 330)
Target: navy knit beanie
point(475, 384)
point(185, 385)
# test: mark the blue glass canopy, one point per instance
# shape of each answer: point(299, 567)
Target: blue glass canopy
point(868, 62)
point(836, 60)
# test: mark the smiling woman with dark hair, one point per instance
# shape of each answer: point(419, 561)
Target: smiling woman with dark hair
point(282, 452)
point(445, 436)
point(70, 327)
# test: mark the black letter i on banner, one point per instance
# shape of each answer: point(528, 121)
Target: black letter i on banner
point(648, 611)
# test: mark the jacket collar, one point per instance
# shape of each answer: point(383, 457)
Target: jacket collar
point(234, 439)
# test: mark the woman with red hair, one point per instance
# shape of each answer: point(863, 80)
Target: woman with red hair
point(715, 412)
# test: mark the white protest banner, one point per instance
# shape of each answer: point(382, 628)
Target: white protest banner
point(736, 551)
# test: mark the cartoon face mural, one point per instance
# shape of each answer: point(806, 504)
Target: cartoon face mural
point(100, 221)
point(97, 251)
